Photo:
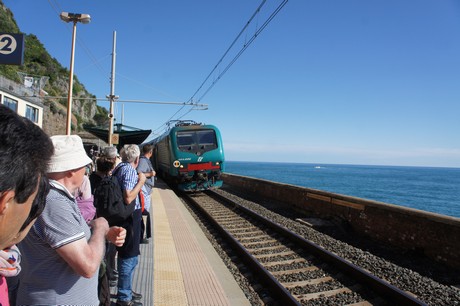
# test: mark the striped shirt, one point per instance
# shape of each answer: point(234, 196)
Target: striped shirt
point(46, 278)
point(127, 178)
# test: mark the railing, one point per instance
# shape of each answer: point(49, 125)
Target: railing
point(20, 90)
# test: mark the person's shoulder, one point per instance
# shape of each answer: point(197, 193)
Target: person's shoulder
point(120, 168)
point(58, 193)
point(143, 162)
point(58, 206)
point(124, 170)
point(126, 167)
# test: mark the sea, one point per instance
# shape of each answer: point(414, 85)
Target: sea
point(429, 189)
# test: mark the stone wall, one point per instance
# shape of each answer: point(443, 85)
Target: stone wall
point(54, 123)
point(436, 236)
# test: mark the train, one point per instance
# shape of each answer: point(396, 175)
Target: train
point(190, 156)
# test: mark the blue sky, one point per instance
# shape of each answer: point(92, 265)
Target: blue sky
point(353, 82)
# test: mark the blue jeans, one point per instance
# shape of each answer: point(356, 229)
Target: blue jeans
point(125, 277)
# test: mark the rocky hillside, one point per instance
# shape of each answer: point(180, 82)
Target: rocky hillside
point(39, 63)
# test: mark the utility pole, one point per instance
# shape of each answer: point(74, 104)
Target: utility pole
point(112, 96)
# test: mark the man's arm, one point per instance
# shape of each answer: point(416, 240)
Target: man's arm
point(85, 257)
point(146, 167)
point(116, 235)
point(150, 174)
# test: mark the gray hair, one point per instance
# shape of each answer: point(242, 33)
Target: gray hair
point(130, 152)
point(110, 152)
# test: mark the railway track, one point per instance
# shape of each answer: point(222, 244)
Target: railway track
point(295, 271)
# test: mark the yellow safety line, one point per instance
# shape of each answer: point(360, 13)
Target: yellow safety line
point(168, 283)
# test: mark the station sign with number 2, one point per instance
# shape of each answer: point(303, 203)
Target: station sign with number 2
point(11, 49)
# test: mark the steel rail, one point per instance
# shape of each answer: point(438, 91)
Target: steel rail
point(381, 286)
point(277, 289)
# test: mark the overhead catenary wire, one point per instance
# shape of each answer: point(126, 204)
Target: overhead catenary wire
point(164, 126)
point(146, 86)
point(229, 48)
point(133, 101)
point(194, 103)
point(57, 8)
point(245, 46)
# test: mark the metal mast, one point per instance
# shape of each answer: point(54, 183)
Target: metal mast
point(112, 96)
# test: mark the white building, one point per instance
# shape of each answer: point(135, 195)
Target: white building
point(21, 99)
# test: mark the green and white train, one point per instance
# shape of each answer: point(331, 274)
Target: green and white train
point(190, 156)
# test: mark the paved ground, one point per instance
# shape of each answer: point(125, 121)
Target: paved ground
point(186, 270)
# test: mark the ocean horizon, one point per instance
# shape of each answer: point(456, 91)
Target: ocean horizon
point(432, 189)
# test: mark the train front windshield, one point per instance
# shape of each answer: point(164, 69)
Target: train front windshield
point(198, 140)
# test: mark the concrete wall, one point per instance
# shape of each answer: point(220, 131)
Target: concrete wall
point(22, 96)
point(437, 236)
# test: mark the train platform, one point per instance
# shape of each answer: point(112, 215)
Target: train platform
point(179, 266)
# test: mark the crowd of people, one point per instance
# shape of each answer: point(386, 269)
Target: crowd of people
point(55, 249)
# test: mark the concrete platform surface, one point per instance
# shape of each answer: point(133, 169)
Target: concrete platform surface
point(179, 266)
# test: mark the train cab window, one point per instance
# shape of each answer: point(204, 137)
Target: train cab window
point(194, 141)
point(185, 140)
point(207, 139)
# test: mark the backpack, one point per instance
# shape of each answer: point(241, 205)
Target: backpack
point(109, 202)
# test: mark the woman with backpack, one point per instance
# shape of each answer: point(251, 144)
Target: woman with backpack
point(107, 275)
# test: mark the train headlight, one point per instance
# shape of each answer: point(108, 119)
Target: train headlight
point(217, 163)
point(176, 164)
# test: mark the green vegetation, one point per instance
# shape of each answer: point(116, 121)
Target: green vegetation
point(102, 116)
point(38, 62)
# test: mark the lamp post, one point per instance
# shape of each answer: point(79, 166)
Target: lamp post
point(72, 17)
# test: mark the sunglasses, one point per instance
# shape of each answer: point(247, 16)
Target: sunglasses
point(38, 205)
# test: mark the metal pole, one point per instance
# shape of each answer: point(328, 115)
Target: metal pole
point(69, 97)
point(112, 88)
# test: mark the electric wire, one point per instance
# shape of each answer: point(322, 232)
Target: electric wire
point(146, 85)
point(246, 45)
point(191, 102)
point(230, 47)
point(57, 8)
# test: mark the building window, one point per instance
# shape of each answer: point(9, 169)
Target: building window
point(10, 103)
point(32, 113)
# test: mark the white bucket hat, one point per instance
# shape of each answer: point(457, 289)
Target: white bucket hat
point(69, 154)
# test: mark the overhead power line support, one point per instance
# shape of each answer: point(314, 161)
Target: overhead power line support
point(112, 96)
